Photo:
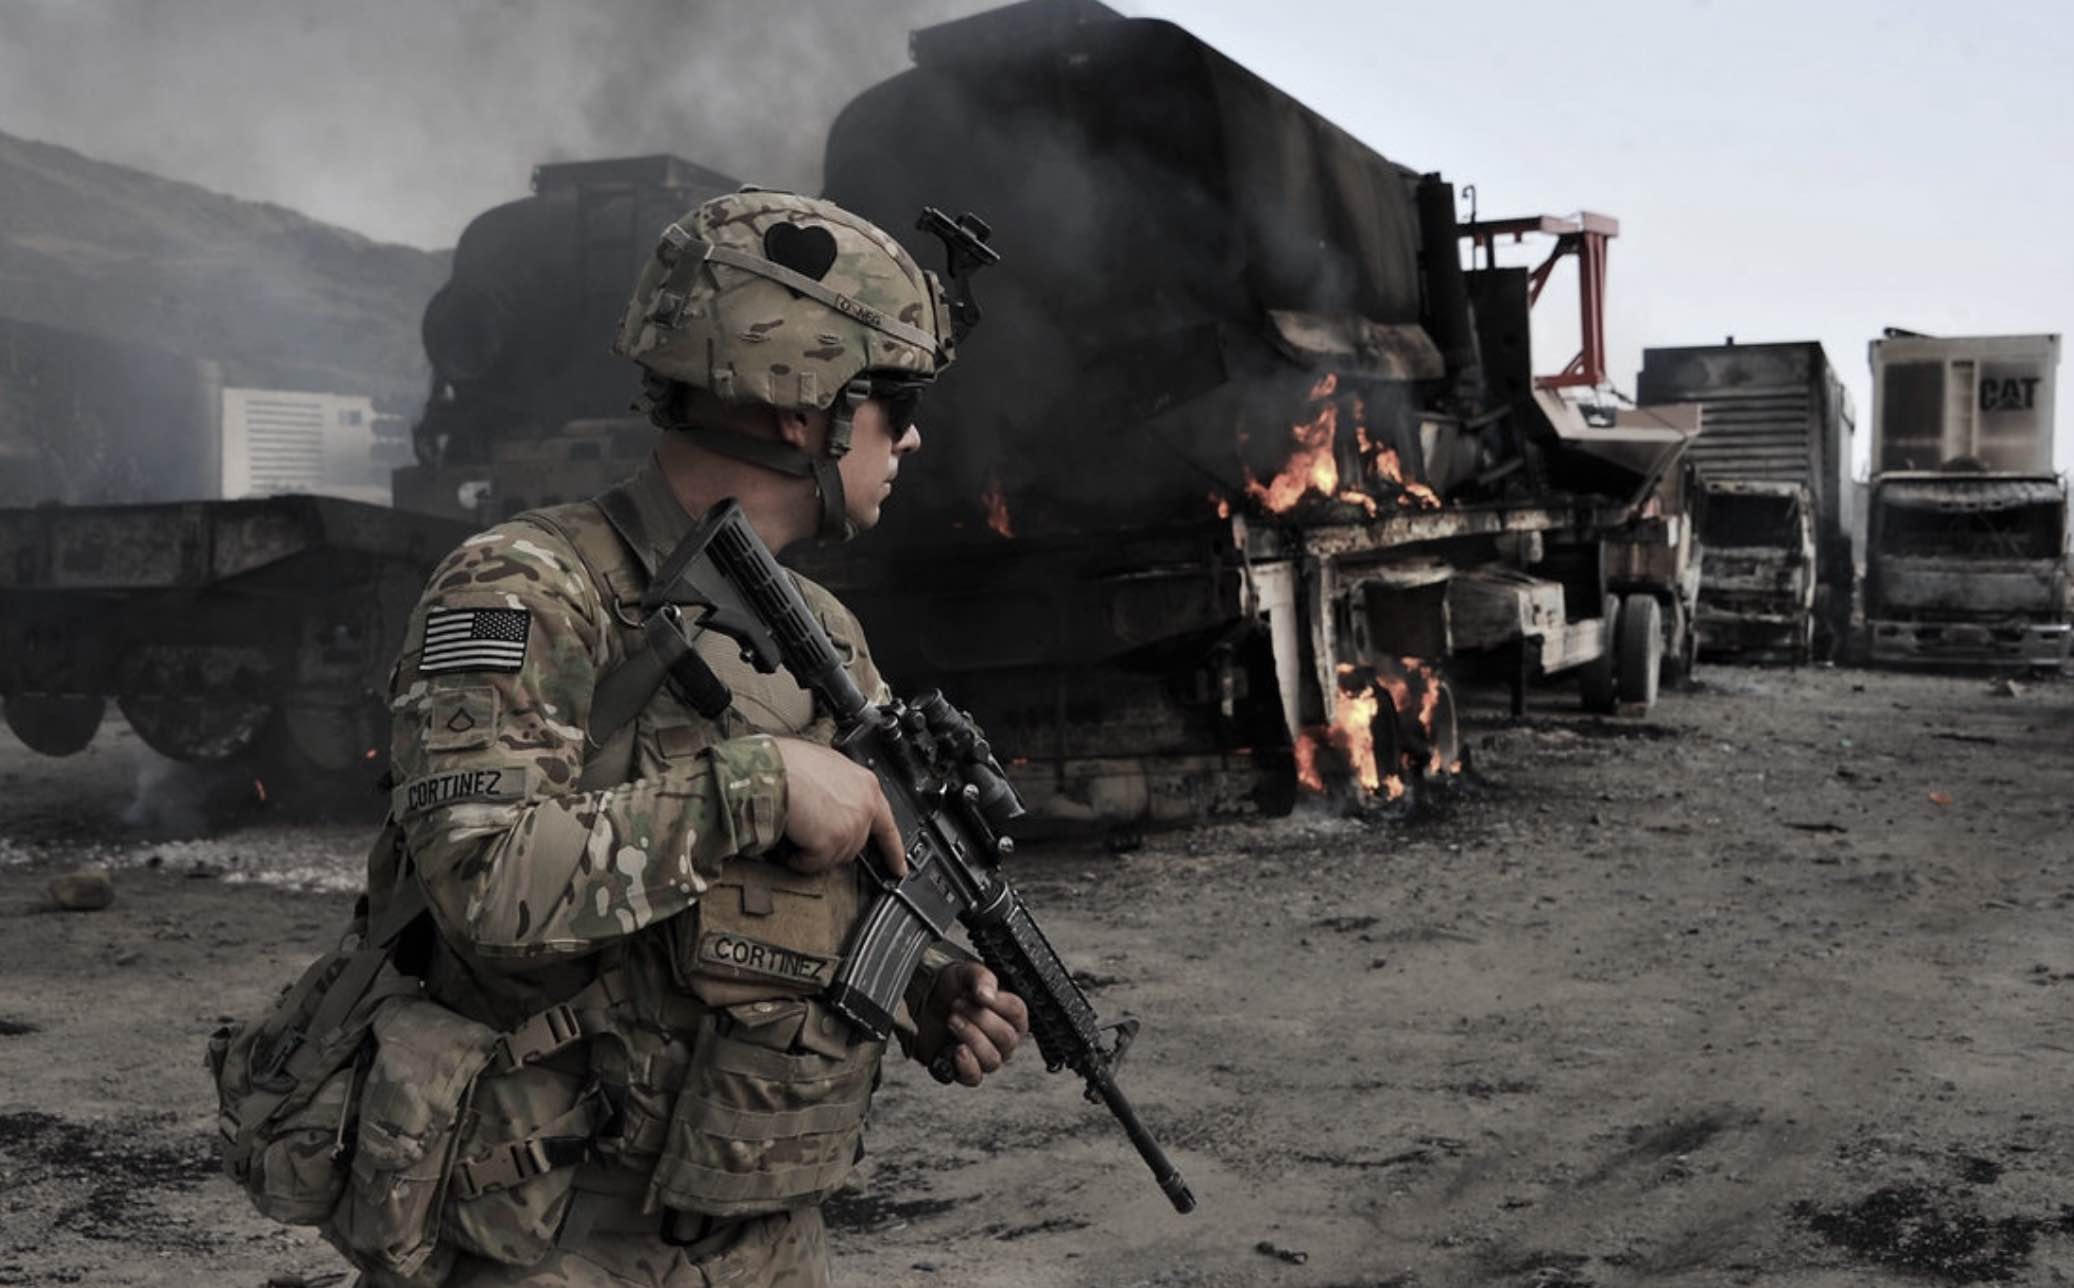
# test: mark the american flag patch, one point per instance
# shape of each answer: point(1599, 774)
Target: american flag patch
point(475, 639)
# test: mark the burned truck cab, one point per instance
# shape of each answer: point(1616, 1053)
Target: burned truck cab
point(1967, 568)
point(1759, 570)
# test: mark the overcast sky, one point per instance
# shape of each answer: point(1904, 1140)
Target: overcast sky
point(1781, 171)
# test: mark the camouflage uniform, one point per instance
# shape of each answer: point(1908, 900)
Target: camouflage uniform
point(538, 874)
point(670, 1100)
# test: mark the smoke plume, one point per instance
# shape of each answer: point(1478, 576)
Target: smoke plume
point(402, 119)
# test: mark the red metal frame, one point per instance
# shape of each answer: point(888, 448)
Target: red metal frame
point(1585, 237)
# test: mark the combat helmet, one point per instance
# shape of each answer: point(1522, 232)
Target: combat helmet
point(771, 297)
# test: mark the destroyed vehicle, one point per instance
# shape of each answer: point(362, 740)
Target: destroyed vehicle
point(260, 631)
point(1966, 560)
point(1967, 569)
point(1774, 413)
point(1757, 584)
point(1241, 455)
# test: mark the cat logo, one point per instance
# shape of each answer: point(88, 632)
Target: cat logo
point(2010, 394)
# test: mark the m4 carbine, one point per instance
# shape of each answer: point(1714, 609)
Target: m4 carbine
point(952, 803)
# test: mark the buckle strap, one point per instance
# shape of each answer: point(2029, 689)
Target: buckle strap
point(515, 1163)
point(563, 1141)
point(545, 1032)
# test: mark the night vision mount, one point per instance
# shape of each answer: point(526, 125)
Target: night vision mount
point(965, 252)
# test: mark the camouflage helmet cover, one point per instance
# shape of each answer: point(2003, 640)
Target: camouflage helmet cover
point(776, 298)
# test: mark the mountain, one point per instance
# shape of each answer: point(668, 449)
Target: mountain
point(278, 299)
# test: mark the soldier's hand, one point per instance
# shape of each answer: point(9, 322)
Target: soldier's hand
point(833, 808)
point(971, 1009)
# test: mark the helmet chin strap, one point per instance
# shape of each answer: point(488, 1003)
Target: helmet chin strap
point(825, 470)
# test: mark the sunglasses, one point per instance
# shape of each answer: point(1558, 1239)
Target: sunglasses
point(900, 395)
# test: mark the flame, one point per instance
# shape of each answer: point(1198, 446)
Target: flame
point(1223, 506)
point(371, 754)
point(1385, 464)
point(1408, 685)
point(1314, 467)
point(259, 790)
point(1307, 762)
point(1353, 714)
point(1354, 710)
point(997, 507)
point(1429, 682)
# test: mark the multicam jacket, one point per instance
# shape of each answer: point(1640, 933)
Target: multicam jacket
point(561, 872)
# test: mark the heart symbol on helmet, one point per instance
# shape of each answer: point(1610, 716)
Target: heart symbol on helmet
point(806, 249)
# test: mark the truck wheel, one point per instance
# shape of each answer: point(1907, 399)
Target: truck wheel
point(1641, 649)
point(55, 726)
point(1596, 681)
point(198, 730)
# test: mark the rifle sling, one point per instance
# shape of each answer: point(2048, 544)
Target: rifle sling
point(663, 654)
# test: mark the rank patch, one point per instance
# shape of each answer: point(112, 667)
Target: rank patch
point(474, 639)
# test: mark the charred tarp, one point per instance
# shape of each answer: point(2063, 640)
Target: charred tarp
point(1156, 205)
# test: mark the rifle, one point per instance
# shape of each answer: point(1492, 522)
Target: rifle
point(952, 803)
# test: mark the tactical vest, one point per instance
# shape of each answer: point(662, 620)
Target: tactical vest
point(691, 1065)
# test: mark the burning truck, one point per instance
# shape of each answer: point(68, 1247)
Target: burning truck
point(1244, 453)
point(1242, 457)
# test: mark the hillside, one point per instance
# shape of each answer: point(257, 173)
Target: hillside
point(280, 300)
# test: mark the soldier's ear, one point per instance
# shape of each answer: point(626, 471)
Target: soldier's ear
point(799, 428)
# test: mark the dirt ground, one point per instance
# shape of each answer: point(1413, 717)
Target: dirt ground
point(1765, 989)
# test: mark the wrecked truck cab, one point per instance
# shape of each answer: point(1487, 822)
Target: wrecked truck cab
point(1758, 572)
point(1966, 568)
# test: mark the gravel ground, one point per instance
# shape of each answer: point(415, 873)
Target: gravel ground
point(1765, 989)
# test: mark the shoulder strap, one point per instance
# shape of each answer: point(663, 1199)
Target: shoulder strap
point(663, 654)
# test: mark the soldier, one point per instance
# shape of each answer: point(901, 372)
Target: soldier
point(645, 900)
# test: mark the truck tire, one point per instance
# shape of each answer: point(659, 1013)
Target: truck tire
point(55, 726)
point(1641, 650)
point(1596, 681)
point(203, 729)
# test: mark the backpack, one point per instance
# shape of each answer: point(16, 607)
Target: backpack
point(287, 1083)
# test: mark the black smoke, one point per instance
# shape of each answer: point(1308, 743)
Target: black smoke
point(401, 119)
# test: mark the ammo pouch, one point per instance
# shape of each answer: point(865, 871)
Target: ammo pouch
point(286, 1084)
point(426, 1059)
point(529, 1122)
point(771, 1112)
